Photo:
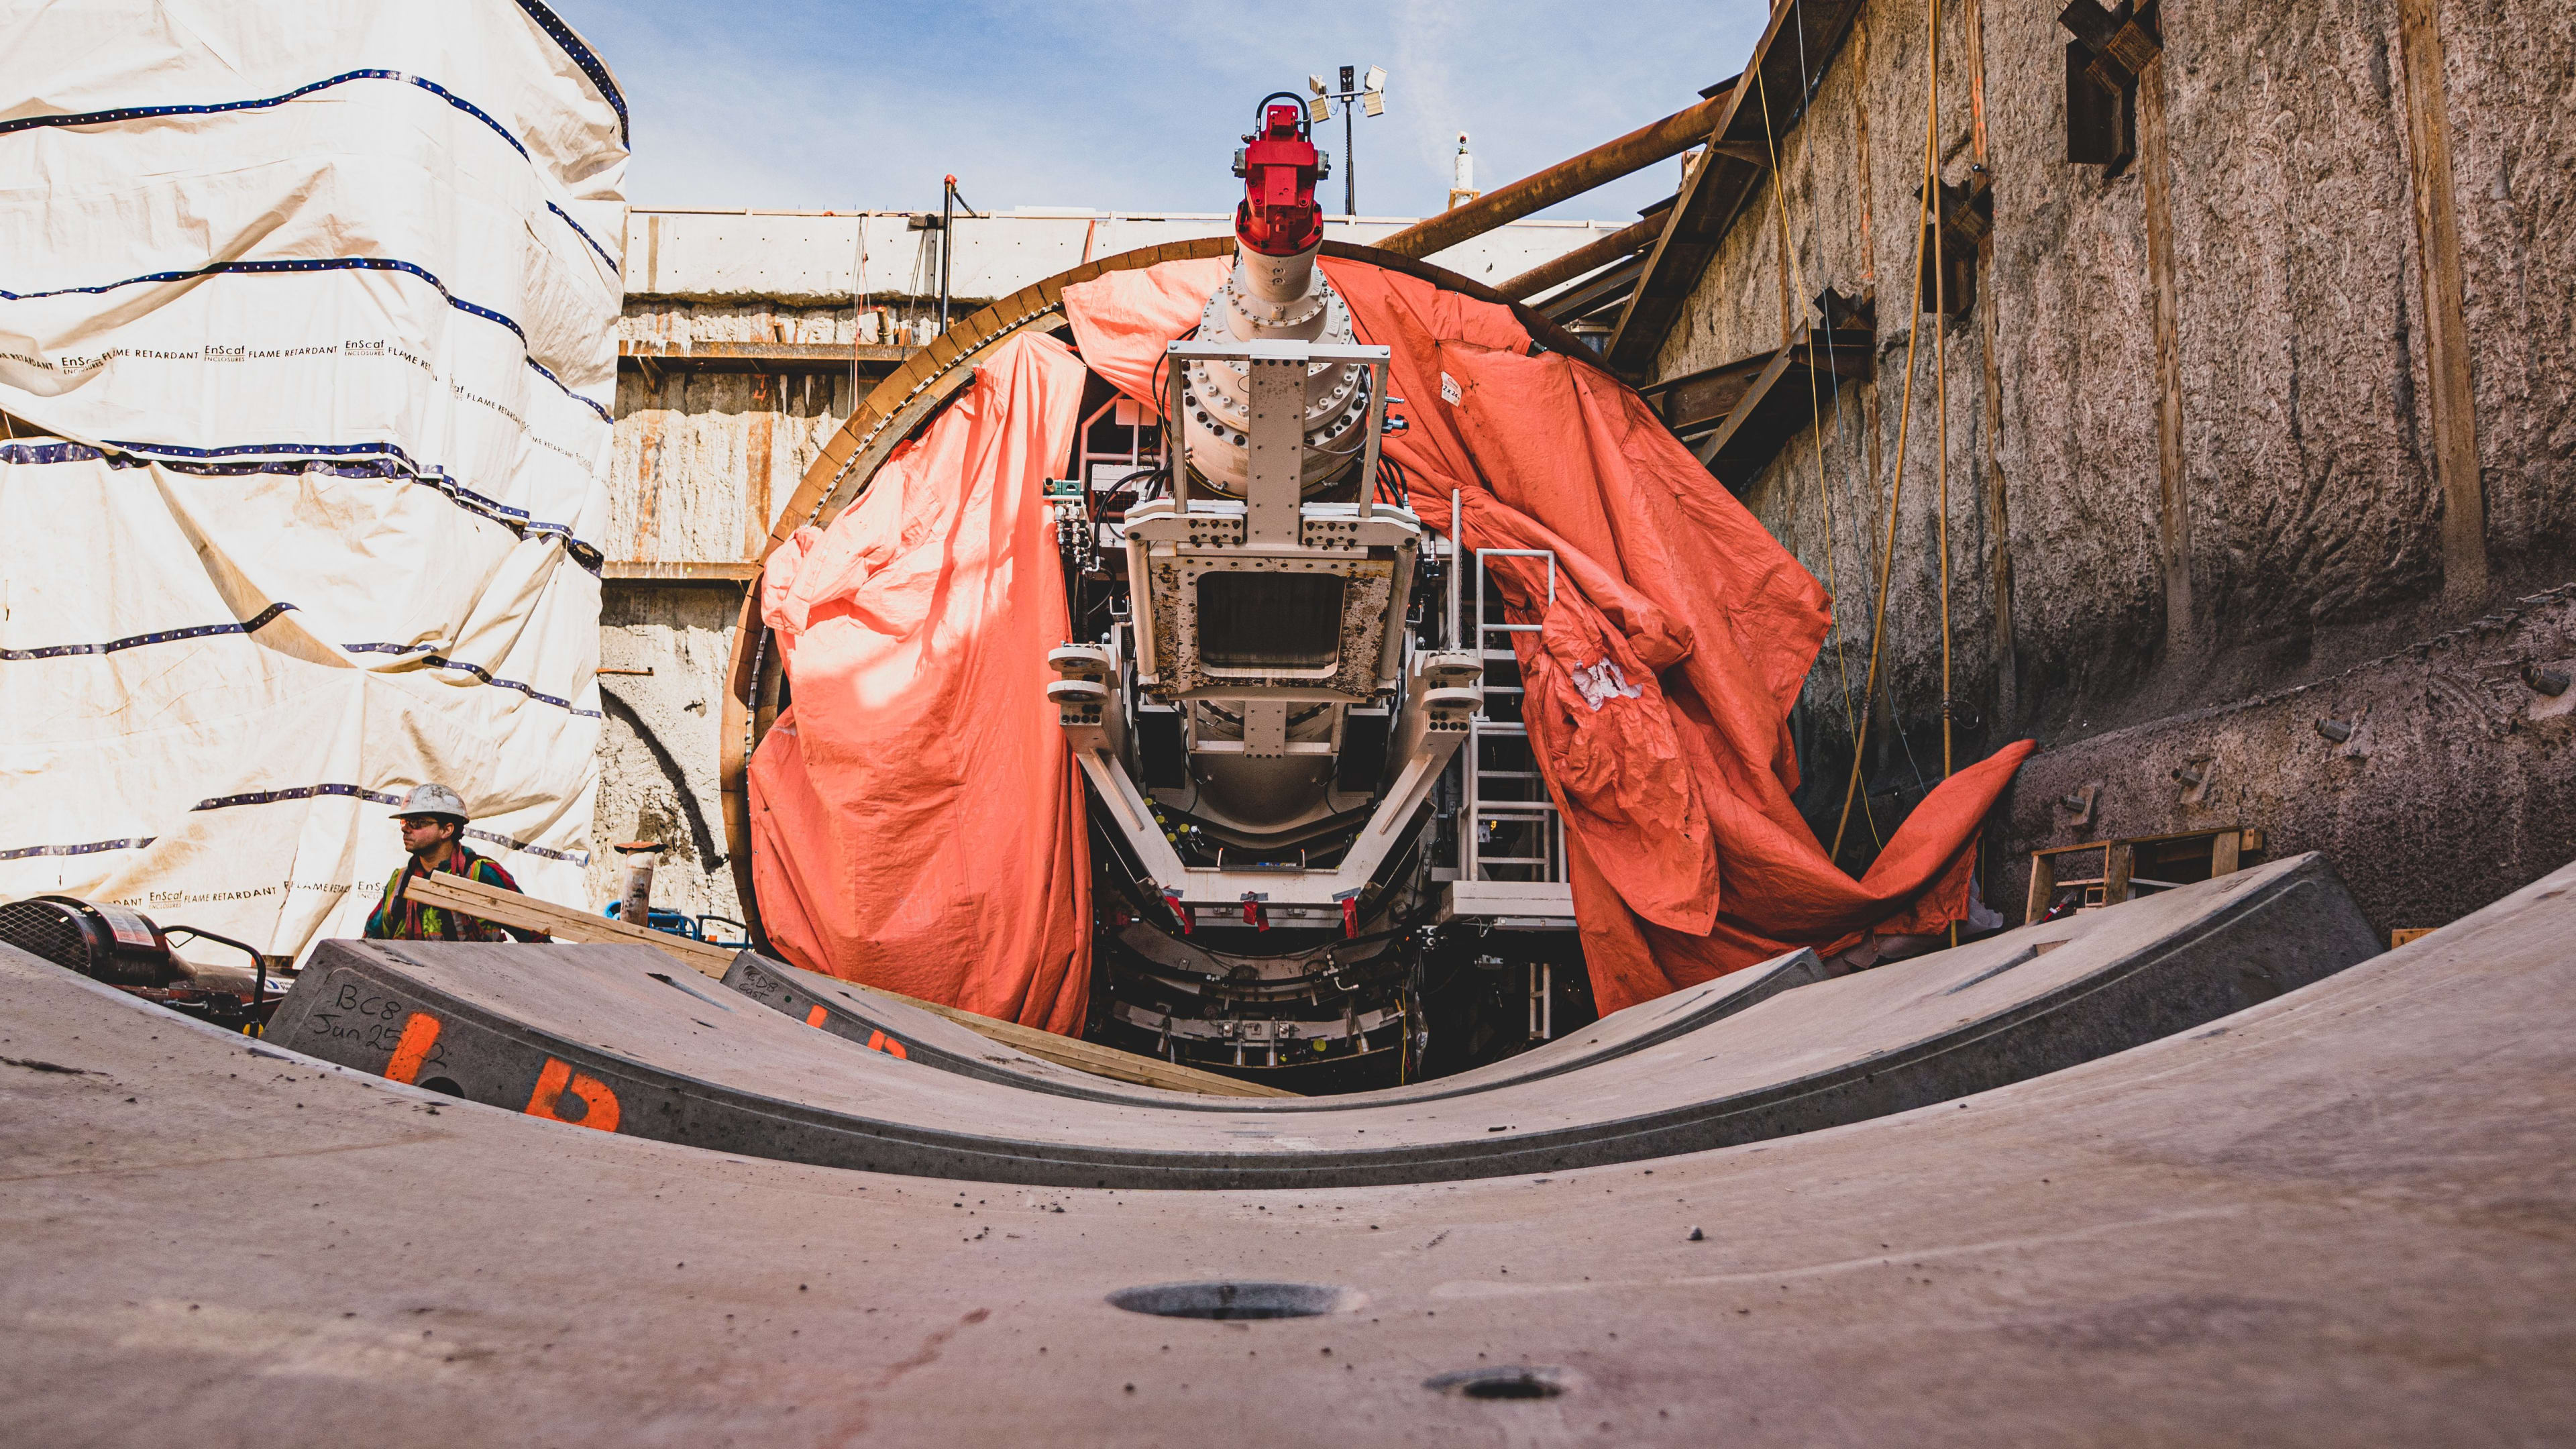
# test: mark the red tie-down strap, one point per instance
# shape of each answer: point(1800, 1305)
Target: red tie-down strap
point(1181, 913)
point(1350, 900)
point(1253, 914)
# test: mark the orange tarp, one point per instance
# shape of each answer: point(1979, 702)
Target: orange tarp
point(1660, 683)
point(917, 820)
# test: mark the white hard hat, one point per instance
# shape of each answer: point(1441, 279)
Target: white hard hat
point(433, 800)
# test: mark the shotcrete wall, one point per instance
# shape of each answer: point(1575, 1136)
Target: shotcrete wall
point(662, 655)
point(2156, 555)
point(703, 459)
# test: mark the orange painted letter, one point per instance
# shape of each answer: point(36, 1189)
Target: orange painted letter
point(599, 1104)
point(419, 1034)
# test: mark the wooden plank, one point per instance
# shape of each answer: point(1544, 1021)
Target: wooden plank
point(2006, 666)
point(789, 356)
point(2043, 886)
point(1703, 398)
point(2116, 868)
point(510, 908)
point(566, 924)
point(2452, 399)
point(1772, 372)
point(2252, 841)
point(2223, 853)
point(1607, 289)
point(681, 571)
point(1805, 35)
point(2173, 517)
point(735, 739)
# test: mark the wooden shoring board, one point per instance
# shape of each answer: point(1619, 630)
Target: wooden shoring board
point(1805, 35)
point(2228, 845)
point(1768, 412)
point(510, 908)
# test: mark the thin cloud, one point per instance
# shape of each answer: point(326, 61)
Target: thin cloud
point(798, 104)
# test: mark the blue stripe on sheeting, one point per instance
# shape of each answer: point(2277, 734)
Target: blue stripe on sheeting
point(586, 236)
point(146, 113)
point(394, 464)
point(94, 847)
point(250, 625)
point(325, 264)
point(441, 661)
point(261, 620)
point(562, 34)
point(308, 792)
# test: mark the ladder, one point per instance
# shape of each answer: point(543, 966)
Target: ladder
point(1512, 830)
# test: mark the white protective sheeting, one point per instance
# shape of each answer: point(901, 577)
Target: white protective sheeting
point(307, 342)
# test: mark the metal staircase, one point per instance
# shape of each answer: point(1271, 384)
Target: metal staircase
point(1511, 856)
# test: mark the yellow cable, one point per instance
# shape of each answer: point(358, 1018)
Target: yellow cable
point(1816, 410)
point(1940, 385)
point(1940, 382)
point(1896, 490)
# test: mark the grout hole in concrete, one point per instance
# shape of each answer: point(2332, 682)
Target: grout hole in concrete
point(1505, 1381)
point(1230, 1300)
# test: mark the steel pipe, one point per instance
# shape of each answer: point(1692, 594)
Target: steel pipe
point(1604, 163)
point(1618, 246)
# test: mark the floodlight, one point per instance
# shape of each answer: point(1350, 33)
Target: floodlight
point(1319, 110)
point(1376, 80)
point(1315, 83)
point(1373, 102)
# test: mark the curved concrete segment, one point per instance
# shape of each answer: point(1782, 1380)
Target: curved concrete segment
point(2339, 1217)
point(616, 1038)
point(872, 1020)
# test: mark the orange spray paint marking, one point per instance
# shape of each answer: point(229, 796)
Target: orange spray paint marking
point(419, 1034)
point(599, 1105)
point(817, 1016)
point(879, 1041)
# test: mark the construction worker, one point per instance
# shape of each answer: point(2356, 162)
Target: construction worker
point(433, 819)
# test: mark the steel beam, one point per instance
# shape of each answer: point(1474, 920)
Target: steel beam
point(1604, 163)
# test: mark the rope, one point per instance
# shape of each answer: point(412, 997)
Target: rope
point(1940, 381)
point(1896, 491)
point(1815, 404)
point(1940, 389)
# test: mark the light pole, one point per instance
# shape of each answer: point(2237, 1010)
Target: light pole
point(1370, 92)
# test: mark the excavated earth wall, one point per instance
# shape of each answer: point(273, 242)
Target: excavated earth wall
point(2160, 553)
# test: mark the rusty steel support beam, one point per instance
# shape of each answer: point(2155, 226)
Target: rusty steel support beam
point(1619, 245)
point(1599, 166)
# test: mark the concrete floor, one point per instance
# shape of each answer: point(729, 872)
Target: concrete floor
point(2341, 1216)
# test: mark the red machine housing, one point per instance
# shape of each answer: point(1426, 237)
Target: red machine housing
point(1278, 216)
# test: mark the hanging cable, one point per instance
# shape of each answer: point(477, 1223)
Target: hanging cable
point(1940, 381)
point(1851, 456)
point(1896, 491)
point(1815, 403)
point(1940, 377)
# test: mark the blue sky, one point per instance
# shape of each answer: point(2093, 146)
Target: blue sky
point(801, 104)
